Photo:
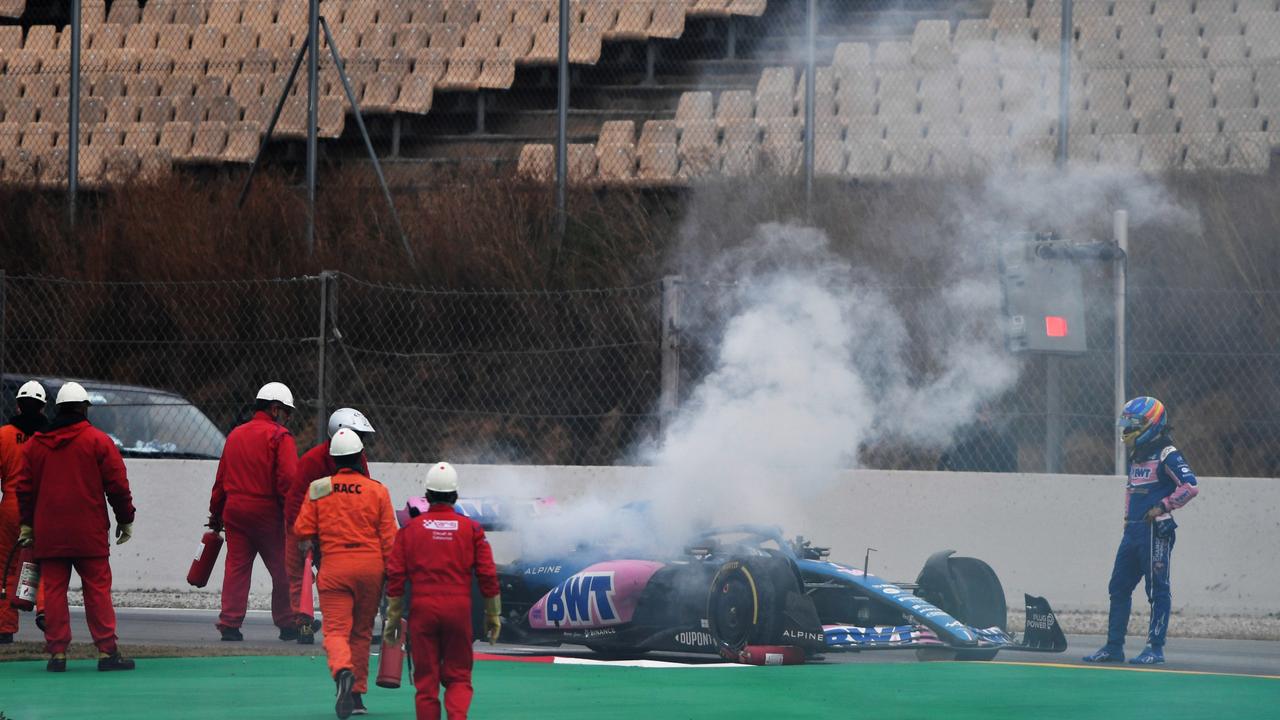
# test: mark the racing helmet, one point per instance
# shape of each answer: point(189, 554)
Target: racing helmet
point(32, 389)
point(277, 392)
point(1142, 420)
point(71, 392)
point(348, 418)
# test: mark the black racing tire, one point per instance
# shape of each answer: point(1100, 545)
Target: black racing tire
point(746, 600)
point(971, 593)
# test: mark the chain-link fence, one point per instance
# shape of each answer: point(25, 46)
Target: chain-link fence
point(578, 377)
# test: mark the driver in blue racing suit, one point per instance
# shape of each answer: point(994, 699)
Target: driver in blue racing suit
point(1160, 481)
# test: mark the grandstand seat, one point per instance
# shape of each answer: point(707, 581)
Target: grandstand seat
point(856, 93)
point(891, 56)
point(1268, 86)
point(940, 93)
point(416, 94)
point(1120, 150)
point(175, 139)
point(157, 110)
point(243, 139)
point(1191, 89)
point(1201, 122)
point(698, 149)
point(141, 87)
point(865, 127)
point(52, 170)
point(1206, 152)
point(1183, 50)
point(1114, 123)
point(1162, 121)
point(123, 110)
point(694, 106)
point(1249, 153)
point(659, 163)
point(38, 137)
point(852, 55)
point(142, 135)
point(897, 93)
point(1233, 88)
point(120, 165)
point(517, 40)
point(1227, 49)
point(1244, 120)
point(20, 166)
point(1005, 10)
point(1149, 89)
point(829, 157)
point(12, 8)
point(734, 105)
point(1222, 24)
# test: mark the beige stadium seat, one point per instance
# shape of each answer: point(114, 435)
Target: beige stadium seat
point(993, 125)
point(209, 143)
point(940, 94)
point(12, 8)
point(776, 80)
point(155, 164)
point(668, 20)
point(616, 163)
point(633, 21)
point(1099, 43)
point(892, 55)
point(775, 105)
point(120, 165)
point(699, 149)
point(1083, 150)
point(10, 135)
point(1178, 26)
point(45, 37)
point(223, 109)
point(142, 87)
point(380, 94)
point(781, 159)
point(157, 110)
point(1251, 7)
point(709, 8)
point(10, 39)
point(142, 37)
point(1005, 10)
point(864, 127)
point(1114, 123)
point(740, 149)
point(1123, 151)
point(396, 62)
point(207, 41)
point(582, 162)
point(178, 86)
point(1247, 120)
point(190, 109)
point(617, 132)
point(952, 156)
point(1201, 122)
point(107, 86)
point(945, 127)
point(1249, 153)
point(1107, 91)
point(856, 93)
point(224, 13)
point(535, 12)
point(331, 117)
point(585, 45)
point(905, 128)
point(461, 11)
point(868, 159)
point(124, 12)
point(447, 36)
point(517, 40)
point(734, 105)
point(52, 170)
point(431, 65)
point(546, 46)
point(659, 132)
point(1268, 87)
point(499, 71)
point(1206, 152)
point(259, 13)
point(124, 110)
point(142, 135)
point(243, 140)
point(1227, 50)
point(931, 44)
point(855, 56)
point(1262, 35)
point(897, 95)
point(175, 138)
point(497, 12)
point(1233, 88)
point(1191, 89)
point(416, 94)
point(412, 38)
point(979, 90)
point(20, 167)
point(659, 163)
point(1220, 25)
point(1183, 51)
point(1140, 43)
point(829, 157)
point(482, 37)
point(463, 71)
point(910, 158)
point(211, 86)
point(1158, 122)
point(749, 8)
point(104, 135)
point(970, 32)
point(784, 131)
point(694, 106)
point(1148, 89)
point(1165, 9)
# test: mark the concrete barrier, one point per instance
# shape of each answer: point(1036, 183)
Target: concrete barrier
point(1051, 535)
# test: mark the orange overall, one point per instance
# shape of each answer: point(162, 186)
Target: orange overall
point(12, 439)
point(351, 517)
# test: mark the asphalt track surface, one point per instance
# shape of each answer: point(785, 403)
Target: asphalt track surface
point(195, 628)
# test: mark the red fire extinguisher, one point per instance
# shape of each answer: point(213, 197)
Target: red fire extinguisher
point(202, 566)
point(391, 660)
point(28, 582)
point(306, 603)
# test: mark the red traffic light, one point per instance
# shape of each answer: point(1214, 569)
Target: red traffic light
point(1055, 326)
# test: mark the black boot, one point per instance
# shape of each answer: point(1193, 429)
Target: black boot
point(114, 661)
point(346, 704)
point(6, 638)
point(230, 634)
point(57, 663)
point(289, 634)
point(306, 636)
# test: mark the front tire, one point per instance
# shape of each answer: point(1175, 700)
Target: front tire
point(968, 590)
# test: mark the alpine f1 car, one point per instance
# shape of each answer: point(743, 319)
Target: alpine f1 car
point(746, 585)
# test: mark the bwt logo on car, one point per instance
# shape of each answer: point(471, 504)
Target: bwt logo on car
point(584, 600)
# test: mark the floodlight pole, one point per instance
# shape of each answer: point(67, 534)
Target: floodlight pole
point(1120, 226)
point(313, 105)
point(73, 119)
point(1053, 364)
point(1064, 81)
point(810, 104)
point(562, 125)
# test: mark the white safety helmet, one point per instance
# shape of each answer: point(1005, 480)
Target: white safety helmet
point(348, 418)
point(32, 389)
point(72, 392)
point(442, 478)
point(277, 392)
point(345, 442)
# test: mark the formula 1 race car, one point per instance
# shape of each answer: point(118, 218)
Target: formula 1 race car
point(747, 585)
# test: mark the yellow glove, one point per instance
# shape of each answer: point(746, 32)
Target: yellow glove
point(25, 536)
point(493, 618)
point(124, 531)
point(395, 613)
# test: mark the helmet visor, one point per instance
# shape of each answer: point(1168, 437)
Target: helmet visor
point(1130, 427)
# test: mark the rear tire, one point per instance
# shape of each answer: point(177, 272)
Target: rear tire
point(969, 591)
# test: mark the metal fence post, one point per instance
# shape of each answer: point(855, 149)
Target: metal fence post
point(562, 125)
point(810, 104)
point(73, 119)
point(1064, 80)
point(670, 397)
point(1053, 414)
point(327, 279)
point(4, 284)
point(313, 105)
point(1121, 230)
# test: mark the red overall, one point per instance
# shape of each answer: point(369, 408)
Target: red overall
point(355, 528)
point(12, 440)
point(314, 464)
point(255, 473)
point(437, 553)
point(72, 472)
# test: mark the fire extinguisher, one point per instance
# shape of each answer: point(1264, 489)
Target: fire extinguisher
point(202, 566)
point(391, 659)
point(28, 582)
